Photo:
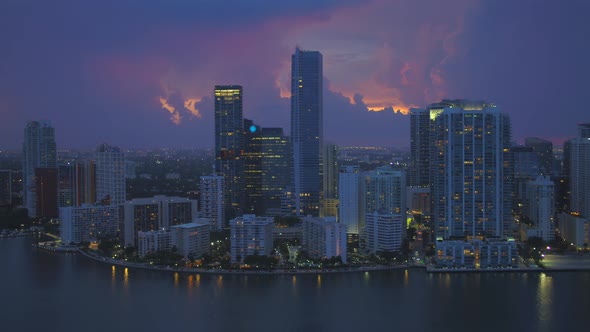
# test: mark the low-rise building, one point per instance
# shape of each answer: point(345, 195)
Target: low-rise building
point(574, 229)
point(475, 253)
point(154, 241)
point(192, 239)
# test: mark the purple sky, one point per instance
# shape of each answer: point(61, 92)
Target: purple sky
point(141, 73)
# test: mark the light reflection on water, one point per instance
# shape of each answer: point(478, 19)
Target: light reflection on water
point(545, 297)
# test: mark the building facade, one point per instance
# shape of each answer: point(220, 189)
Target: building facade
point(580, 172)
point(541, 208)
point(89, 223)
point(307, 131)
point(349, 179)
point(544, 151)
point(384, 232)
point(212, 201)
point(110, 175)
point(192, 240)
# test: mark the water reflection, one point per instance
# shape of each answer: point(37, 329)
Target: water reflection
point(126, 278)
point(544, 297)
point(366, 278)
point(319, 281)
point(220, 282)
point(175, 279)
point(406, 277)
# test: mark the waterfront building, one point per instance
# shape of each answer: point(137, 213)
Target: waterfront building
point(110, 175)
point(476, 253)
point(541, 208)
point(154, 213)
point(229, 146)
point(150, 242)
point(39, 151)
point(384, 232)
point(212, 201)
point(580, 172)
point(88, 223)
point(471, 164)
point(250, 235)
point(307, 133)
point(5, 187)
point(349, 178)
point(192, 239)
point(575, 229)
point(324, 238)
point(544, 151)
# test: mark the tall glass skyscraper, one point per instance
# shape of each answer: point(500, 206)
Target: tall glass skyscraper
point(472, 170)
point(307, 131)
point(229, 145)
point(110, 175)
point(38, 152)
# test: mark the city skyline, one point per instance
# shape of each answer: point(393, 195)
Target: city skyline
point(147, 77)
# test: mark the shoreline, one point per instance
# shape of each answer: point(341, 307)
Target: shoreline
point(244, 272)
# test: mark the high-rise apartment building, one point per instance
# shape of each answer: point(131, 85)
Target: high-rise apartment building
point(580, 172)
point(250, 235)
point(110, 175)
point(154, 213)
point(350, 199)
point(89, 223)
point(307, 132)
point(541, 208)
point(383, 232)
point(212, 201)
point(471, 165)
point(39, 151)
point(544, 151)
point(229, 146)
point(252, 159)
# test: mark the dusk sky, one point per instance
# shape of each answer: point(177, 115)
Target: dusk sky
point(141, 73)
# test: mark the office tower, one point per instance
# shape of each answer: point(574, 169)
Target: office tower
point(229, 144)
point(252, 159)
point(526, 169)
point(5, 187)
point(275, 169)
point(580, 172)
point(544, 151)
point(383, 190)
point(471, 164)
point(250, 235)
point(212, 205)
point(541, 208)
point(110, 175)
point(350, 198)
point(86, 182)
point(88, 223)
point(419, 148)
point(38, 152)
point(66, 185)
point(46, 192)
point(324, 238)
point(307, 131)
point(153, 213)
point(384, 232)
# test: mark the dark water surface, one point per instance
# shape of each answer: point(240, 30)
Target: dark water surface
point(41, 291)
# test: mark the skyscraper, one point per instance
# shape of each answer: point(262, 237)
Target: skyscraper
point(419, 148)
point(541, 208)
point(307, 132)
point(350, 199)
point(580, 172)
point(229, 145)
point(5, 187)
point(38, 152)
point(67, 185)
point(275, 168)
point(86, 182)
point(472, 188)
point(252, 158)
point(110, 175)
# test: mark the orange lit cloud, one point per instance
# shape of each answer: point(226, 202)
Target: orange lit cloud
point(174, 115)
point(189, 104)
